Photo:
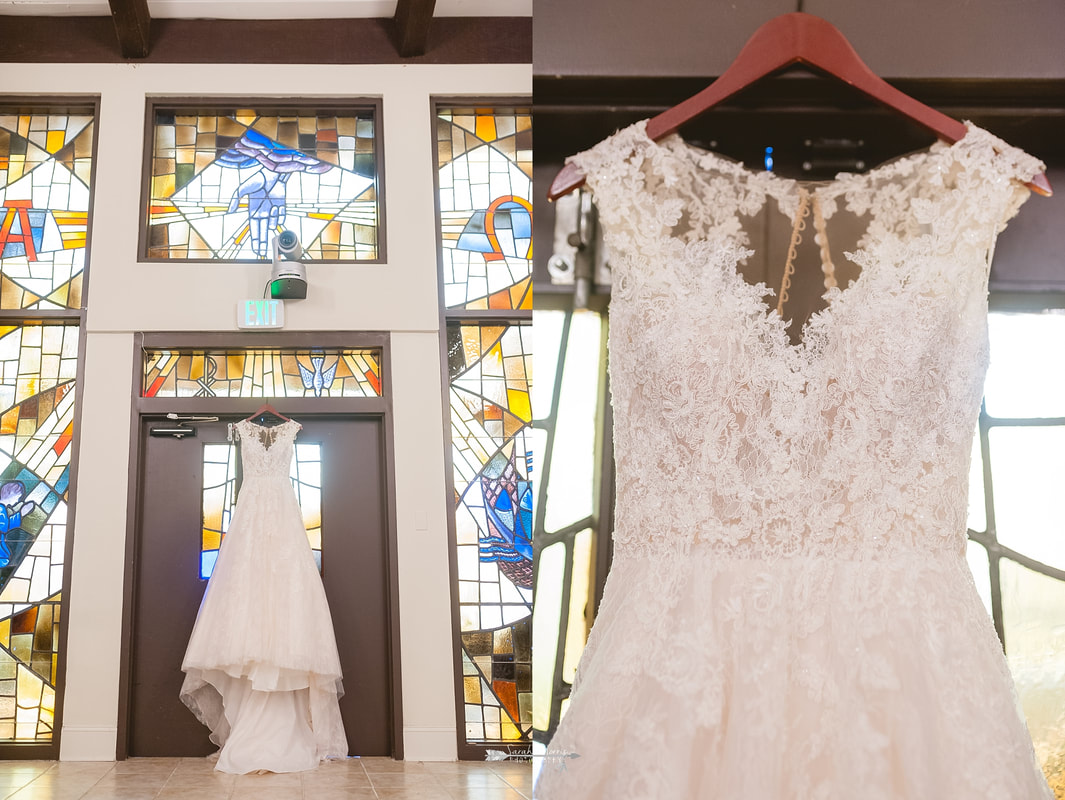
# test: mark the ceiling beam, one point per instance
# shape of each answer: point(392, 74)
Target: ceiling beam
point(412, 20)
point(132, 21)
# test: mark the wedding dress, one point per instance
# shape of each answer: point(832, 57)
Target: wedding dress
point(790, 614)
point(262, 669)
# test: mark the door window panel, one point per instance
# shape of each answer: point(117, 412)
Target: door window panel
point(220, 493)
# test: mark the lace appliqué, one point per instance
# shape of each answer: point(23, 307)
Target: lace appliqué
point(857, 439)
point(789, 613)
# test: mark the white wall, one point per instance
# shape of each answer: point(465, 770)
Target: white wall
point(125, 296)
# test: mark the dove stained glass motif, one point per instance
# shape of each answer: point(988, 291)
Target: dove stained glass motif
point(45, 177)
point(279, 372)
point(490, 368)
point(224, 183)
point(220, 497)
point(38, 367)
point(484, 176)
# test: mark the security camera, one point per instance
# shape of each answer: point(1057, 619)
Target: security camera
point(287, 246)
point(288, 281)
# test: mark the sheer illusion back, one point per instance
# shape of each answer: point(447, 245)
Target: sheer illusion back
point(789, 613)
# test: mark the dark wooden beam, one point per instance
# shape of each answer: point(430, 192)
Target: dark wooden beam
point(91, 40)
point(412, 19)
point(132, 21)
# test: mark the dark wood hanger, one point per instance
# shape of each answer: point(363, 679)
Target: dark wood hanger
point(263, 410)
point(795, 38)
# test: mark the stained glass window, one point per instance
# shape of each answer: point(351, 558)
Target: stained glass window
point(45, 175)
point(266, 372)
point(490, 373)
point(224, 182)
point(485, 190)
point(38, 366)
point(219, 497)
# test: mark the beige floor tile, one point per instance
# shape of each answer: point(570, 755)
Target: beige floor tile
point(339, 794)
point(376, 764)
point(26, 766)
point(82, 768)
point(138, 766)
point(268, 780)
point(185, 780)
point(472, 780)
point(330, 782)
point(49, 793)
point(10, 781)
point(403, 779)
point(266, 793)
point(124, 793)
point(488, 794)
point(413, 793)
point(140, 781)
point(194, 793)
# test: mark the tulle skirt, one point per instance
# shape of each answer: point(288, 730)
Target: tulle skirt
point(803, 678)
point(262, 669)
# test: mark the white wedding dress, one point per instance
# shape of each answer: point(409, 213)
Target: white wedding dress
point(262, 669)
point(790, 614)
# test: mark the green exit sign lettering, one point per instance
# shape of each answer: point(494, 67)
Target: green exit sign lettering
point(261, 314)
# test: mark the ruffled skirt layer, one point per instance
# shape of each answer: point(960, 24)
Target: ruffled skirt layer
point(262, 669)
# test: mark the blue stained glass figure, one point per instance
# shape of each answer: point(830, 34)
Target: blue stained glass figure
point(508, 501)
point(317, 379)
point(769, 159)
point(265, 188)
point(12, 510)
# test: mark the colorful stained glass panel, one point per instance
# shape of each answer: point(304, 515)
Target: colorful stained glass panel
point(490, 376)
point(484, 160)
point(262, 373)
point(219, 497)
point(38, 365)
point(225, 182)
point(45, 175)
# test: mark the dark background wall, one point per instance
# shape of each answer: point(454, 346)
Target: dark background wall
point(602, 64)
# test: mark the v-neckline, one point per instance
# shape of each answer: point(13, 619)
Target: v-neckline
point(785, 191)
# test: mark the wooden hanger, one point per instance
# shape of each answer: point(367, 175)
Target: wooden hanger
point(263, 410)
point(795, 38)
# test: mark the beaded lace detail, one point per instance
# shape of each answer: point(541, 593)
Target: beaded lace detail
point(856, 440)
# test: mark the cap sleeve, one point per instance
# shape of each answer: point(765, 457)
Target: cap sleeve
point(613, 171)
point(999, 173)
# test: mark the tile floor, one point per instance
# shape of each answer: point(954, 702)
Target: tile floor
point(196, 779)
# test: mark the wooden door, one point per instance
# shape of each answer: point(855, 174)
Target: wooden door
point(168, 587)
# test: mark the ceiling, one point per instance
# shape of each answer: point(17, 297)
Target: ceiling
point(267, 31)
point(267, 9)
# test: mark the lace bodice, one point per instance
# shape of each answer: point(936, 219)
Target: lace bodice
point(854, 441)
point(266, 451)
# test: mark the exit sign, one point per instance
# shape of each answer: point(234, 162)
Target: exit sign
point(261, 314)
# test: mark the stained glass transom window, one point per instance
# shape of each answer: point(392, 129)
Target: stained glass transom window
point(267, 372)
point(219, 497)
point(38, 366)
point(225, 182)
point(45, 175)
point(485, 191)
point(490, 376)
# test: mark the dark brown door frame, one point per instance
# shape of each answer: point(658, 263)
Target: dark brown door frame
point(379, 407)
